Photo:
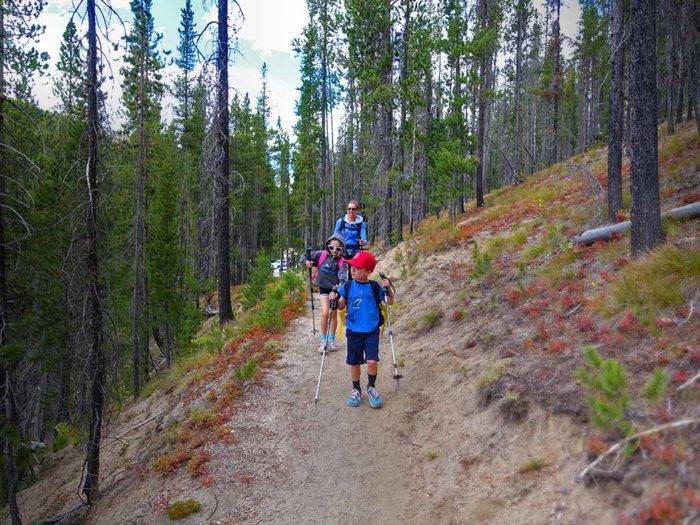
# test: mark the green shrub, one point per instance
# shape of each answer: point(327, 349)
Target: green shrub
point(609, 397)
point(65, 434)
point(183, 508)
point(260, 275)
point(482, 262)
point(430, 319)
point(493, 373)
point(247, 371)
point(656, 386)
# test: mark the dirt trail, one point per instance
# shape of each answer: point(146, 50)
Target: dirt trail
point(326, 463)
point(433, 454)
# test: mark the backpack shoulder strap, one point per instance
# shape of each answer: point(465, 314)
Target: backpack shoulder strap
point(347, 288)
point(342, 225)
point(376, 287)
point(322, 257)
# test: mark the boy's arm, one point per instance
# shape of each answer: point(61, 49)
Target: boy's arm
point(387, 289)
point(339, 293)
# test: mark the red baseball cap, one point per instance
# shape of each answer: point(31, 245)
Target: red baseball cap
point(363, 259)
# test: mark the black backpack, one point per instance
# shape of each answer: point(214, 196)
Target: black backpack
point(376, 292)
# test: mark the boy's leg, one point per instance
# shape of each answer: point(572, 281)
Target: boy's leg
point(372, 356)
point(355, 360)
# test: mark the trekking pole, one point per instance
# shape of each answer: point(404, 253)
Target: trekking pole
point(332, 306)
point(311, 293)
point(397, 376)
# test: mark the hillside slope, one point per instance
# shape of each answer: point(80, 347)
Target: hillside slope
point(489, 424)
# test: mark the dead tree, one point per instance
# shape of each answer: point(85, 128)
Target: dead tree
point(94, 313)
point(222, 185)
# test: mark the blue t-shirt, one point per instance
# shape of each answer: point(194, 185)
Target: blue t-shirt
point(363, 314)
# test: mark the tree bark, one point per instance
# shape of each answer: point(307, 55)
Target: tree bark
point(92, 461)
point(556, 79)
point(222, 190)
point(386, 116)
point(645, 211)
point(139, 298)
point(616, 111)
point(518, 88)
point(484, 60)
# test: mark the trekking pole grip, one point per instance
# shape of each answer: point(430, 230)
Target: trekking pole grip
point(391, 285)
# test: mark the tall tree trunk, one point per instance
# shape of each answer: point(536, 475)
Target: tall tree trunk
point(222, 190)
point(402, 124)
point(518, 88)
point(386, 115)
point(556, 80)
point(139, 328)
point(645, 212)
point(484, 62)
point(6, 398)
point(671, 65)
point(326, 205)
point(694, 46)
point(616, 112)
point(94, 332)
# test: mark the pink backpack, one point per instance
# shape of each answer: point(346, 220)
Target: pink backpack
point(322, 258)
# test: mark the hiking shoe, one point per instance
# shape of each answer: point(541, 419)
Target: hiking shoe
point(355, 398)
point(375, 400)
point(332, 347)
point(321, 347)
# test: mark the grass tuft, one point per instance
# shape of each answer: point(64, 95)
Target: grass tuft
point(661, 279)
point(532, 465)
point(183, 508)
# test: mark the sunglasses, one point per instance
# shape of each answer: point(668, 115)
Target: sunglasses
point(335, 249)
point(352, 209)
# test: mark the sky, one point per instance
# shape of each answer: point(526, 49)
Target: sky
point(264, 35)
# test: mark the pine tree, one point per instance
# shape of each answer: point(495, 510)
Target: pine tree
point(16, 30)
point(69, 86)
point(143, 90)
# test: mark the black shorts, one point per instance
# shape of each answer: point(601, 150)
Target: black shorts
point(324, 291)
point(362, 347)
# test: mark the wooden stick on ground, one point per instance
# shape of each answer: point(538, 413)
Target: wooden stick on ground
point(617, 446)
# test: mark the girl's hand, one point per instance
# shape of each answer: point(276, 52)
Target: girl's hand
point(386, 284)
point(332, 296)
point(309, 264)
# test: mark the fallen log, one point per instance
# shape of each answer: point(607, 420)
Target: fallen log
point(605, 233)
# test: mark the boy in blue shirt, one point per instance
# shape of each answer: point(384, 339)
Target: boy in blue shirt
point(363, 298)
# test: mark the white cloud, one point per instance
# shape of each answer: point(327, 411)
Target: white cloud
point(270, 25)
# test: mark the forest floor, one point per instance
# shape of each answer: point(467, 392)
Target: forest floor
point(489, 424)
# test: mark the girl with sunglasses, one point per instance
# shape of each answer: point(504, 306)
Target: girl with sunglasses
point(331, 270)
